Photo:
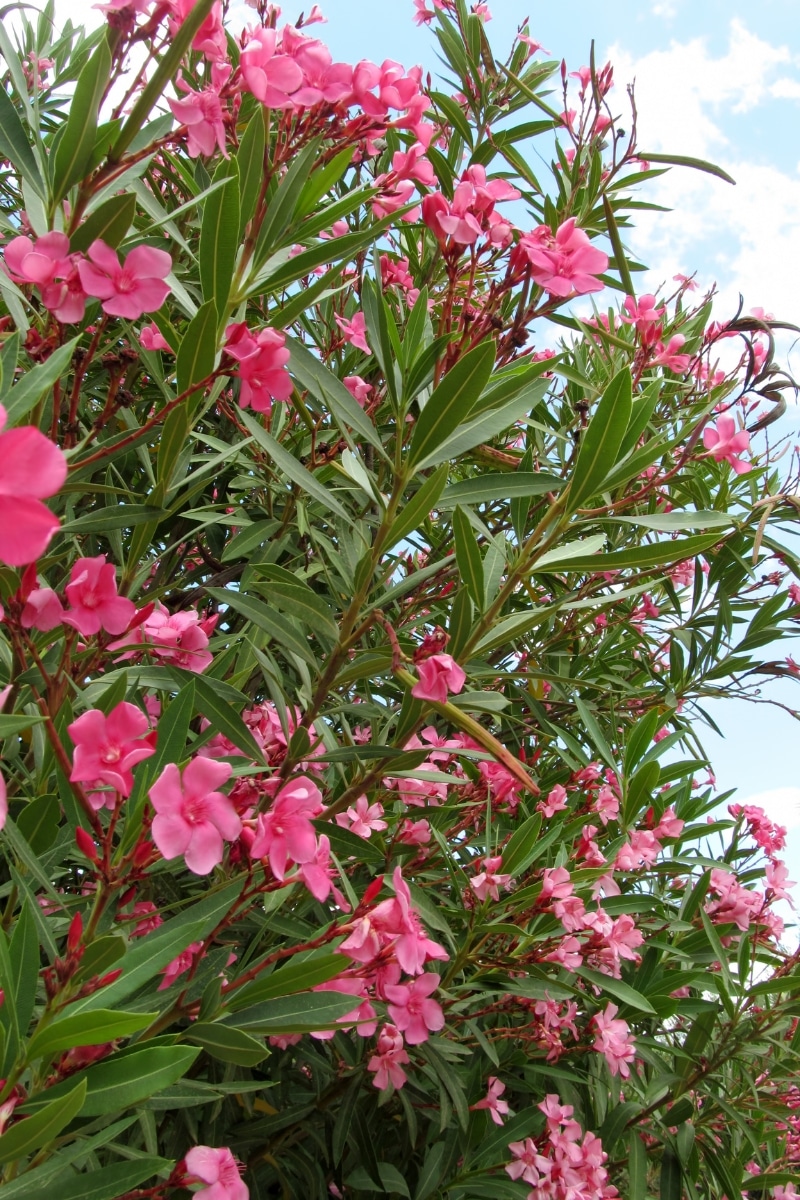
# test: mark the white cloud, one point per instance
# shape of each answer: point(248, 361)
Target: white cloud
point(665, 9)
point(782, 805)
point(747, 237)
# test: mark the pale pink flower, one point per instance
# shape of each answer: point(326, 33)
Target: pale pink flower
point(220, 1170)
point(778, 881)
point(192, 819)
point(43, 610)
point(354, 331)
point(606, 804)
point(387, 1059)
point(526, 1158)
point(395, 88)
point(497, 1108)
point(31, 469)
point(556, 884)
point(723, 441)
point(130, 290)
point(108, 747)
point(362, 818)
point(613, 1039)
point(794, 593)
point(669, 825)
point(564, 263)
point(735, 904)
point(324, 81)
point(414, 833)
point(669, 356)
point(556, 802)
point(93, 599)
point(641, 849)
point(272, 77)
point(358, 388)
point(413, 1011)
point(285, 832)
point(488, 881)
point(438, 675)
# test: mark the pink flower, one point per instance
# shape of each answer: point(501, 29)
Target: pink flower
point(724, 442)
point(38, 262)
point(362, 818)
point(565, 263)
point(43, 610)
point(355, 331)
point(181, 638)
point(192, 819)
point(220, 1170)
point(93, 599)
point(613, 1039)
point(527, 1159)
point(31, 469)
point(152, 338)
point(358, 388)
point(642, 313)
point(669, 356)
point(285, 832)
point(209, 40)
point(386, 1060)
point(130, 290)
point(318, 875)
point(491, 1101)
point(179, 964)
point(438, 675)
point(415, 833)
point(489, 881)
point(271, 77)
point(556, 802)
point(107, 747)
point(412, 1010)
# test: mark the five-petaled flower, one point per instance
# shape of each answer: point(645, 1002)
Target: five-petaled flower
point(108, 747)
point(192, 818)
point(126, 290)
point(725, 442)
point(219, 1170)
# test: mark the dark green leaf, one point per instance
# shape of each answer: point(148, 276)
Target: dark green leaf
point(451, 402)
point(219, 237)
point(86, 1029)
point(197, 352)
point(228, 1044)
point(126, 1079)
point(110, 222)
point(505, 485)
point(37, 382)
point(468, 557)
point(76, 144)
point(37, 1131)
point(601, 442)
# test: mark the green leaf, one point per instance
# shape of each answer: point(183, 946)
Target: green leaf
point(126, 1079)
point(637, 1167)
point(75, 146)
point(618, 989)
point(451, 402)
point(468, 557)
point(601, 442)
point(504, 485)
point(316, 378)
point(228, 1044)
point(683, 160)
point(14, 145)
point(489, 425)
point(521, 849)
point(569, 551)
point(219, 237)
point(281, 630)
point(282, 202)
point(23, 954)
point(671, 1183)
point(417, 509)
point(118, 516)
point(12, 723)
point(294, 470)
point(197, 352)
point(645, 558)
point(250, 160)
point(86, 1029)
point(678, 522)
point(107, 1183)
point(306, 1012)
point(37, 1131)
point(392, 1181)
point(225, 719)
point(173, 730)
point(150, 955)
point(431, 1173)
point(289, 980)
point(110, 222)
point(38, 822)
point(36, 1184)
point(301, 602)
point(37, 382)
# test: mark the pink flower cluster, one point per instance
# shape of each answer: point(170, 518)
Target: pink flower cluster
point(471, 213)
point(613, 1040)
point(262, 363)
point(66, 281)
point(94, 603)
point(564, 1163)
point(180, 638)
point(563, 264)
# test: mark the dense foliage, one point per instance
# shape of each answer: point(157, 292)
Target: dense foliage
point(363, 583)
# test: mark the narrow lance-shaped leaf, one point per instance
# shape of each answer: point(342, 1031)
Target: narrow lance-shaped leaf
point(601, 442)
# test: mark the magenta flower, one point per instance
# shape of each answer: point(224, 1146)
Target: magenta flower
point(262, 366)
point(209, 40)
point(151, 338)
point(126, 290)
point(220, 1170)
point(355, 331)
point(412, 1010)
point(192, 819)
point(38, 262)
point(285, 833)
point(107, 747)
point(31, 469)
point(438, 675)
point(386, 1061)
point(43, 610)
point(723, 441)
point(272, 77)
point(180, 638)
point(496, 1107)
point(488, 881)
point(319, 873)
point(94, 602)
point(669, 356)
point(358, 388)
point(565, 263)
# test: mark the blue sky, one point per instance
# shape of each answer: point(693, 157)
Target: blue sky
point(719, 79)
